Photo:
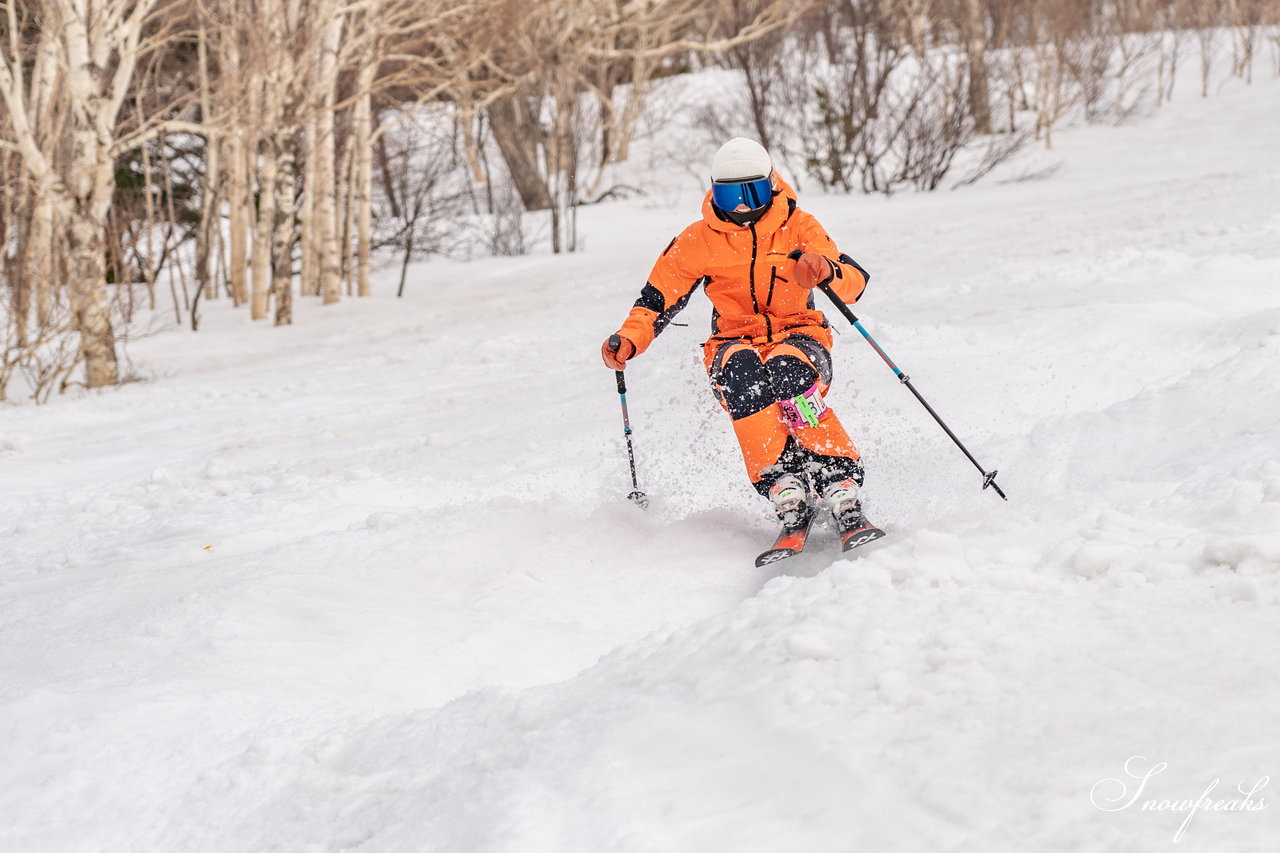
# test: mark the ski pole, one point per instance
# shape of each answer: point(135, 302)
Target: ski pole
point(637, 497)
point(988, 477)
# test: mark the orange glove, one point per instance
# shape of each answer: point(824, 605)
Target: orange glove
point(811, 269)
point(616, 351)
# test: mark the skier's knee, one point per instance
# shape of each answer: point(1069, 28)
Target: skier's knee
point(791, 376)
point(741, 382)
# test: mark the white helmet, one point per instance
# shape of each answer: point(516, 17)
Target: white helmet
point(740, 159)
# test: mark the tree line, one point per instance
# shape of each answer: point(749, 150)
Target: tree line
point(265, 150)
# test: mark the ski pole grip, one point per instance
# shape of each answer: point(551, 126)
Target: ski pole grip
point(615, 344)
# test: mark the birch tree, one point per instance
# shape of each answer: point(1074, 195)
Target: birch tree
point(323, 190)
point(299, 83)
point(96, 47)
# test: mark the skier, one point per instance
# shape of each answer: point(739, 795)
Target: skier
point(759, 258)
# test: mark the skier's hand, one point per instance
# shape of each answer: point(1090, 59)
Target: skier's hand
point(616, 351)
point(811, 269)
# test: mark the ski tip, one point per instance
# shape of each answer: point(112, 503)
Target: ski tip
point(773, 555)
point(861, 536)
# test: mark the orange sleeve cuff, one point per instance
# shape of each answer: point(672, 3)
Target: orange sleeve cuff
point(849, 286)
point(638, 328)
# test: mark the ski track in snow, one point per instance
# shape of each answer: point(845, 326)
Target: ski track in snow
point(370, 582)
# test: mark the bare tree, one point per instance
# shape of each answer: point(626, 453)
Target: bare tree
point(209, 234)
point(1170, 36)
point(1245, 18)
point(976, 39)
point(1204, 18)
point(84, 55)
point(557, 53)
point(862, 49)
point(1272, 13)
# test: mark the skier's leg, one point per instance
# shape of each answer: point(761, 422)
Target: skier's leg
point(742, 386)
point(800, 370)
point(762, 438)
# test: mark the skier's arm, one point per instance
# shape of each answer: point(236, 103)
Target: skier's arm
point(665, 294)
point(845, 275)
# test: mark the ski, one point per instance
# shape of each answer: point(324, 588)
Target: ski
point(788, 544)
point(791, 542)
point(860, 534)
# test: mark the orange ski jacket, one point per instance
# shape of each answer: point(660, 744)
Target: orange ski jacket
point(746, 272)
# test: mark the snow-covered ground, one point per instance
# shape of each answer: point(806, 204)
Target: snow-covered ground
point(371, 582)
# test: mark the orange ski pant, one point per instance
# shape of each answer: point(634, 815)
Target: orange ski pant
point(751, 379)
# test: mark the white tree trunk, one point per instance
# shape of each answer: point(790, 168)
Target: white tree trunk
point(263, 251)
point(326, 211)
point(239, 200)
point(41, 265)
point(89, 300)
point(285, 239)
point(310, 275)
point(209, 187)
point(362, 132)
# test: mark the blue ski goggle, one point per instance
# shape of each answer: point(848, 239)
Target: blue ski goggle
point(755, 193)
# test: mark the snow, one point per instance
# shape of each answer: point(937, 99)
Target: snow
point(371, 582)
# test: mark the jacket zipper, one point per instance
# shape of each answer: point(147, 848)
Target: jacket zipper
point(751, 277)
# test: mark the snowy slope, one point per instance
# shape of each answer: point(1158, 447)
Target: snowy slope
point(370, 582)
